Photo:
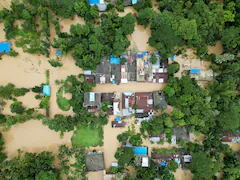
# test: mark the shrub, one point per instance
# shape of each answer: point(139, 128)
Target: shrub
point(37, 89)
point(55, 63)
point(20, 91)
point(45, 102)
point(47, 76)
point(17, 107)
point(13, 53)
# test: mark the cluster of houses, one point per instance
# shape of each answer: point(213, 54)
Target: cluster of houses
point(102, 5)
point(139, 104)
point(95, 160)
point(129, 68)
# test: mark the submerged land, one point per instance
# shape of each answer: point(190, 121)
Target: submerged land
point(29, 70)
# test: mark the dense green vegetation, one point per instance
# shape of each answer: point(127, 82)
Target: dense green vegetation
point(73, 170)
point(86, 42)
point(180, 23)
point(130, 136)
point(76, 87)
point(29, 166)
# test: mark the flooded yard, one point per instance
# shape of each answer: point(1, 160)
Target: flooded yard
point(32, 136)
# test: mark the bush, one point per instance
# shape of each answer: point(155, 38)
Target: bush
point(20, 91)
point(47, 76)
point(55, 63)
point(153, 59)
point(13, 53)
point(38, 97)
point(45, 102)
point(17, 107)
point(37, 89)
point(173, 68)
point(172, 165)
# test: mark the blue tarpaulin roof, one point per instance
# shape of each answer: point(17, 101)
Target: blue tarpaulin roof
point(195, 71)
point(134, 1)
point(144, 53)
point(94, 1)
point(58, 52)
point(114, 60)
point(140, 150)
point(4, 47)
point(172, 58)
point(139, 55)
point(118, 118)
point(163, 164)
point(46, 90)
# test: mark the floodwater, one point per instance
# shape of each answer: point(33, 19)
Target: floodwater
point(32, 136)
point(139, 38)
point(28, 70)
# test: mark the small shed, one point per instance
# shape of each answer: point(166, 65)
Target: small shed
point(194, 71)
point(172, 58)
point(46, 90)
point(5, 47)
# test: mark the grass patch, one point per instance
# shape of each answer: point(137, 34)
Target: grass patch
point(86, 136)
point(62, 102)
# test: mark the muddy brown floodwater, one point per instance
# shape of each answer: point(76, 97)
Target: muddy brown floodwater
point(28, 70)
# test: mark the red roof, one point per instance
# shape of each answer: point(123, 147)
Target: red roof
point(142, 101)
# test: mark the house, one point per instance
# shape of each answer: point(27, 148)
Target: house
point(160, 70)
point(141, 154)
point(202, 75)
point(116, 103)
point(159, 100)
point(5, 47)
point(231, 137)
point(94, 161)
point(144, 106)
point(132, 71)
point(114, 98)
point(144, 67)
point(103, 71)
point(115, 70)
point(88, 76)
point(124, 74)
point(92, 101)
point(46, 90)
point(180, 156)
point(181, 133)
point(102, 6)
point(157, 138)
point(128, 101)
point(108, 97)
